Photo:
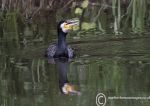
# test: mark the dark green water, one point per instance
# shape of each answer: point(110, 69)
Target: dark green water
point(113, 66)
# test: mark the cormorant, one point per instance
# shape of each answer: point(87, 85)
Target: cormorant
point(61, 49)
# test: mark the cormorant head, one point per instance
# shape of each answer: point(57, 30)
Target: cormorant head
point(65, 26)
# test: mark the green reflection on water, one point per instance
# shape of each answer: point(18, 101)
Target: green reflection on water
point(113, 67)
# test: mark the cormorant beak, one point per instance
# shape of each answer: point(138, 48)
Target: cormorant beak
point(69, 24)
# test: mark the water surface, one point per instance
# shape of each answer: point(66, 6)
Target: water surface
point(114, 66)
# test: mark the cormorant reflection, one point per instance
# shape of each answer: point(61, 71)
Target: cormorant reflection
point(65, 86)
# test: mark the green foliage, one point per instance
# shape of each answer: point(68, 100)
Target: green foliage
point(115, 18)
point(85, 4)
point(10, 27)
point(138, 15)
point(78, 11)
point(87, 26)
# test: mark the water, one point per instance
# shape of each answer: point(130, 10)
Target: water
point(115, 66)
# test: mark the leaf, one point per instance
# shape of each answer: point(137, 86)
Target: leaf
point(85, 3)
point(78, 11)
point(87, 26)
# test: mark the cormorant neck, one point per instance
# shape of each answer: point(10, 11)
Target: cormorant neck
point(62, 40)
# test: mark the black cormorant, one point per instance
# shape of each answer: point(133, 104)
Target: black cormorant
point(61, 49)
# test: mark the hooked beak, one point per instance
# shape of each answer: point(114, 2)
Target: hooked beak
point(69, 24)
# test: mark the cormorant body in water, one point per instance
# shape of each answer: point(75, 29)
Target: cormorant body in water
point(61, 49)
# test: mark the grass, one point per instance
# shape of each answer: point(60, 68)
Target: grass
point(120, 16)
